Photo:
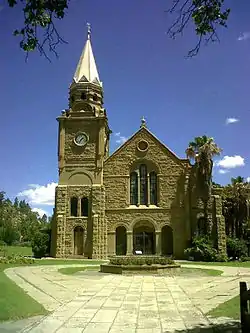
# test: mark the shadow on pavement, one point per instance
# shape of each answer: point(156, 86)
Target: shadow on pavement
point(226, 327)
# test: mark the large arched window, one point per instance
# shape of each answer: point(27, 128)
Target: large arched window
point(73, 206)
point(133, 188)
point(143, 186)
point(153, 188)
point(84, 206)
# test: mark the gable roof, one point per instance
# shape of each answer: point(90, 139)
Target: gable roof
point(145, 129)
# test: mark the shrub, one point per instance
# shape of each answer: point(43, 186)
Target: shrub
point(41, 244)
point(201, 250)
point(16, 259)
point(221, 258)
point(236, 248)
point(2, 243)
point(141, 260)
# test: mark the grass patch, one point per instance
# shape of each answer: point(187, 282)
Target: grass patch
point(199, 272)
point(230, 263)
point(229, 309)
point(22, 250)
point(73, 270)
point(14, 302)
point(67, 262)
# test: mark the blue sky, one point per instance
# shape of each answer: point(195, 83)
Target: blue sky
point(144, 73)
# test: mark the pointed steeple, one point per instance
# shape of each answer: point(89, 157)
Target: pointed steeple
point(86, 70)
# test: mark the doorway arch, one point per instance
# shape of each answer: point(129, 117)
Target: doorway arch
point(121, 241)
point(167, 240)
point(144, 237)
point(78, 240)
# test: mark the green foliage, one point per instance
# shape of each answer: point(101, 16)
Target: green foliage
point(201, 250)
point(206, 15)
point(15, 259)
point(8, 233)
point(18, 223)
point(39, 17)
point(41, 244)
point(236, 248)
point(141, 260)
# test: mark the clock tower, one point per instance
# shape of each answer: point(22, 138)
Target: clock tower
point(83, 143)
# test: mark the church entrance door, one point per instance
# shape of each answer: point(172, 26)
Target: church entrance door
point(144, 238)
point(78, 240)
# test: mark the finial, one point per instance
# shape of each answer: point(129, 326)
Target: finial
point(143, 122)
point(89, 30)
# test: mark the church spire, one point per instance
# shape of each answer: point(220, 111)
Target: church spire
point(86, 70)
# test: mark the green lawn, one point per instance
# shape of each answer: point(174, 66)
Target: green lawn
point(73, 270)
point(229, 309)
point(22, 250)
point(199, 271)
point(14, 302)
point(230, 263)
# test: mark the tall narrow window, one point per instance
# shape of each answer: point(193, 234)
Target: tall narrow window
point(143, 185)
point(153, 188)
point(84, 206)
point(73, 206)
point(133, 188)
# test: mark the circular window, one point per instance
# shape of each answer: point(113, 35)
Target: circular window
point(142, 145)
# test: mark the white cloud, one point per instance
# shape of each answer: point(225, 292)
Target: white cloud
point(248, 179)
point(230, 162)
point(40, 194)
point(244, 35)
point(120, 138)
point(40, 211)
point(223, 171)
point(231, 120)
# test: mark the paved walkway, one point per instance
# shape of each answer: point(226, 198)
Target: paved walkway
point(94, 302)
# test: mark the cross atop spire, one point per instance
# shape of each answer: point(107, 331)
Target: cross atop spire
point(143, 122)
point(89, 30)
point(86, 70)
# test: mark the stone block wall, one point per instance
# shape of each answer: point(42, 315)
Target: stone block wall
point(99, 225)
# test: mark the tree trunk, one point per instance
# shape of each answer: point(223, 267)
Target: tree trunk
point(205, 213)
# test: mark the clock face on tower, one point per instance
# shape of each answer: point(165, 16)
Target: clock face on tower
point(81, 139)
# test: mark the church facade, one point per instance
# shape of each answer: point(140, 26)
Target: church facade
point(141, 198)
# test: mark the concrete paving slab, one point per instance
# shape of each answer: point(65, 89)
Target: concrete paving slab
point(104, 303)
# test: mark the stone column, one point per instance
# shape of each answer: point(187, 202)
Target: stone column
point(148, 189)
point(79, 207)
point(129, 243)
point(158, 242)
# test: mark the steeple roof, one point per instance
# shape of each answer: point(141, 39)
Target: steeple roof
point(86, 70)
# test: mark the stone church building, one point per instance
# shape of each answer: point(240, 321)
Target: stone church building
point(139, 198)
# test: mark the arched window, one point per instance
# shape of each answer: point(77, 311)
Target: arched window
point(95, 98)
point(143, 185)
point(73, 206)
point(133, 188)
point(84, 206)
point(153, 188)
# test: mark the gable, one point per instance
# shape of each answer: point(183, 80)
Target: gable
point(143, 146)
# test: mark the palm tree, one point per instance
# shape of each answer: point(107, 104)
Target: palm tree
point(202, 151)
point(235, 210)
